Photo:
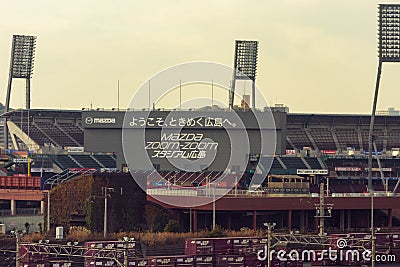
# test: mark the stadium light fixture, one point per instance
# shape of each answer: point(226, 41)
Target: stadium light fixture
point(21, 66)
point(389, 33)
point(388, 51)
point(245, 66)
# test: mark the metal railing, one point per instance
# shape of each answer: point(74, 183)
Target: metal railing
point(28, 211)
point(5, 212)
point(245, 193)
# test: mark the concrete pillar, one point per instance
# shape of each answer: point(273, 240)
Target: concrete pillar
point(290, 220)
point(190, 221)
point(194, 220)
point(13, 207)
point(390, 218)
point(254, 220)
point(306, 220)
point(42, 207)
point(302, 219)
point(342, 220)
point(348, 219)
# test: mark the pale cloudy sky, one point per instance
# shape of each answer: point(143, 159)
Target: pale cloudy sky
point(314, 55)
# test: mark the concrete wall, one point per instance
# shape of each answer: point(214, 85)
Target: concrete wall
point(18, 222)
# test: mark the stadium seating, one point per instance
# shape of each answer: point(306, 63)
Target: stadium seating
point(313, 163)
point(34, 133)
point(66, 161)
point(51, 127)
point(106, 160)
point(59, 137)
point(347, 138)
point(298, 137)
point(348, 130)
point(276, 164)
point(323, 138)
point(365, 135)
point(72, 130)
point(293, 163)
point(87, 161)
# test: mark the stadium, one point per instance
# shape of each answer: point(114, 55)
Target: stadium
point(328, 175)
point(318, 147)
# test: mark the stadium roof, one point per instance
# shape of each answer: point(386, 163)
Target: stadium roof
point(44, 113)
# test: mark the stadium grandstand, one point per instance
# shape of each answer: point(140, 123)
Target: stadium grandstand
point(342, 134)
point(318, 146)
point(313, 141)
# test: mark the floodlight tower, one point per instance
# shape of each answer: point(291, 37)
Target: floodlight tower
point(245, 67)
point(21, 66)
point(388, 51)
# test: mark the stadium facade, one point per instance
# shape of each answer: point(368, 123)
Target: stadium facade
point(315, 147)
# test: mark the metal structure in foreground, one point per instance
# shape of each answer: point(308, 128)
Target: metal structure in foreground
point(106, 191)
point(119, 256)
point(270, 227)
point(276, 239)
point(388, 51)
point(21, 67)
point(245, 67)
point(320, 210)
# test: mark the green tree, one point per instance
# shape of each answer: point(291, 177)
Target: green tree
point(172, 226)
point(156, 218)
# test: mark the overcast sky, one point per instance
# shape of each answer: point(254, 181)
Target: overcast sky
point(314, 56)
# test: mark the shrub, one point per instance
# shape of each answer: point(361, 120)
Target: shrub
point(172, 226)
point(216, 232)
point(78, 233)
point(34, 237)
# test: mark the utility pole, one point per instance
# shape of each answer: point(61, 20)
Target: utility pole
point(48, 211)
point(320, 209)
point(127, 245)
point(269, 226)
point(126, 255)
point(106, 191)
point(371, 191)
point(213, 226)
point(18, 240)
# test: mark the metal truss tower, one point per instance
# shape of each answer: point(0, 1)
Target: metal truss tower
point(21, 67)
point(245, 67)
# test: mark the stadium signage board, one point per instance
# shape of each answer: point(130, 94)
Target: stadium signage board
point(290, 152)
point(329, 152)
point(108, 169)
point(91, 120)
point(312, 171)
point(182, 121)
point(42, 170)
point(348, 169)
point(24, 160)
point(383, 169)
point(74, 149)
